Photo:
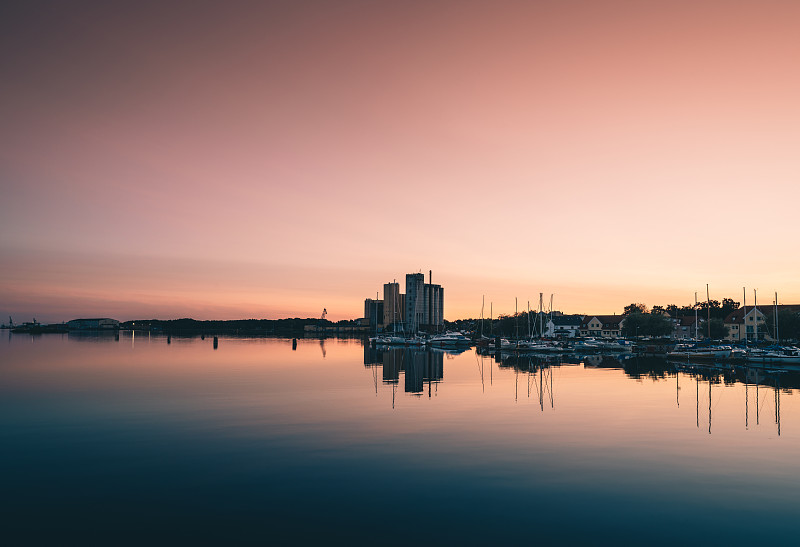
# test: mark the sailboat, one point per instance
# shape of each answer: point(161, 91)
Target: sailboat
point(483, 340)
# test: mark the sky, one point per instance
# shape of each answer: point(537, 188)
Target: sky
point(223, 160)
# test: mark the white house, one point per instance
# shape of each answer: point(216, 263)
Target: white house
point(563, 326)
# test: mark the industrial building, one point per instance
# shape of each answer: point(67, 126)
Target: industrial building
point(373, 313)
point(95, 323)
point(393, 304)
point(424, 304)
point(421, 307)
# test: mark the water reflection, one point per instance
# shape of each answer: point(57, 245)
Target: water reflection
point(759, 383)
point(418, 366)
point(423, 369)
point(95, 337)
point(262, 435)
point(762, 386)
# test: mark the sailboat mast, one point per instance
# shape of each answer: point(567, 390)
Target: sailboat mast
point(755, 316)
point(696, 320)
point(777, 338)
point(744, 314)
point(483, 304)
point(530, 333)
point(708, 308)
point(541, 304)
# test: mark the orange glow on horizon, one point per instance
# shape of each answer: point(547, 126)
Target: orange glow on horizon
point(275, 160)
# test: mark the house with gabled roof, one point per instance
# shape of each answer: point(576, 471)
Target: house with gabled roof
point(749, 322)
point(563, 326)
point(602, 326)
point(687, 327)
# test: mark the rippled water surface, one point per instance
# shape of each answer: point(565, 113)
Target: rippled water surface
point(138, 440)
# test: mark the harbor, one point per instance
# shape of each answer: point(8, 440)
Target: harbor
point(252, 438)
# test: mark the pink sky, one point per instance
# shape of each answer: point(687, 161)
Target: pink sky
point(273, 159)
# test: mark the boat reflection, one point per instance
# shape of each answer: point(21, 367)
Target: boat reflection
point(423, 369)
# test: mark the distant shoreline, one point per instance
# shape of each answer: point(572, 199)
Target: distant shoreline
point(246, 327)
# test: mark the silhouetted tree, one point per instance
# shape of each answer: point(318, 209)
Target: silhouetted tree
point(718, 311)
point(659, 324)
point(635, 308)
point(788, 324)
point(715, 309)
point(633, 324)
point(728, 306)
point(646, 324)
point(716, 329)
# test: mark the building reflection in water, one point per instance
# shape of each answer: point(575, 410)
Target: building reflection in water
point(423, 369)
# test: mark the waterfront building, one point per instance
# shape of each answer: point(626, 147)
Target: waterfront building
point(393, 305)
point(687, 327)
point(602, 326)
point(563, 326)
point(749, 322)
point(415, 299)
point(421, 307)
point(97, 323)
point(424, 305)
point(373, 313)
point(434, 302)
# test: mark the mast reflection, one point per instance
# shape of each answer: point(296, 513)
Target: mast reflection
point(536, 368)
point(423, 369)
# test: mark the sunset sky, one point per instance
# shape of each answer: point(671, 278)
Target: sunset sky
point(223, 160)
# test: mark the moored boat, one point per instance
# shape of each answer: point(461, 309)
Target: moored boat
point(450, 339)
point(588, 344)
point(775, 354)
point(685, 351)
point(616, 345)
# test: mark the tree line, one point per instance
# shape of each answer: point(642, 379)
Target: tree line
point(656, 321)
point(714, 308)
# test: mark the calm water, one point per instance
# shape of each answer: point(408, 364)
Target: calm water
point(136, 440)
